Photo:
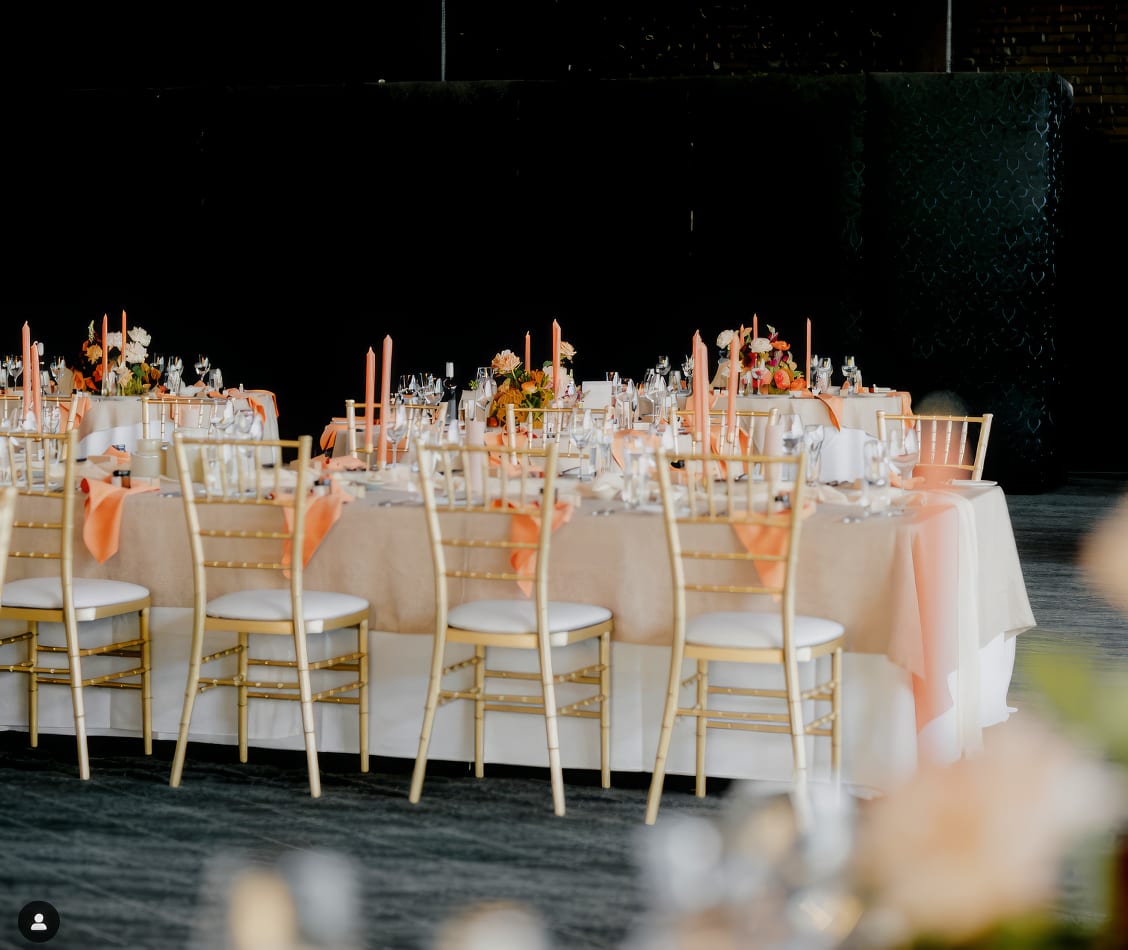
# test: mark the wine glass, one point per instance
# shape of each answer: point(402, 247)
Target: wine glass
point(904, 451)
point(814, 435)
point(15, 370)
point(662, 366)
point(875, 477)
point(583, 430)
point(174, 373)
point(791, 437)
point(850, 371)
point(202, 365)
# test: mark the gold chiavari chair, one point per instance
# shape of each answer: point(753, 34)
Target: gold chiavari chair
point(733, 547)
point(247, 529)
point(488, 533)
point(951, 446)
point(41, 467)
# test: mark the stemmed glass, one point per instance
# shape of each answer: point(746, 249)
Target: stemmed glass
point(174, 373)
point(15, 370)
point(583, 430)
point(875, 472)
point(663, 366)
point(850, 371)
point(904, 451)
point(791, 436)
point(57, 365)
point(202, 365)
point(814, 435)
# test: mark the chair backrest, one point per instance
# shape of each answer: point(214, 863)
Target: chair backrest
point(951, 446)
point(731, 535)
point(9, 495)
point(162, 414)
point(40, 467)
point(352, 408)
point(484, 511)
point(227, 533)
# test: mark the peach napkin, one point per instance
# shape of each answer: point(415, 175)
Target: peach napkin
point(527, 528)
point(833, 408)
point(118, 455)
point(322, 513)
point(768, 540)
point(101, 528)
point(343, 463)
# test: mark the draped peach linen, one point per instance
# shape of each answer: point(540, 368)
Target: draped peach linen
point(526, 528)
point(322, 513)
point(768, 540)
point(101, 528)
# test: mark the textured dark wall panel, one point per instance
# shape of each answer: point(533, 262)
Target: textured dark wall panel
point(963, 185)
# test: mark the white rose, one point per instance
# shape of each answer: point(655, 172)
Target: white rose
point(140, 335)
point(725, 339)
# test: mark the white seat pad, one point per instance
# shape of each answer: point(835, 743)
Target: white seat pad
point(520, 616)
point(751, 629)
point(46, 593)
point(274, 604)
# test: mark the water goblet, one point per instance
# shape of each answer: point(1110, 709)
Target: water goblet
point(904, 451)
point(814, 435)
point(663, 365)
point(583, 431)
point(202, 365)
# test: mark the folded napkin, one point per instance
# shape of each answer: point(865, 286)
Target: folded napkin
point(527, 528)
point(322, 513)
point(769, 540)
point(101, 528)
point(833, 408)
point(117, 455)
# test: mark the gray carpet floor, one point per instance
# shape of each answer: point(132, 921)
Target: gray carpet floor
point(131, 863)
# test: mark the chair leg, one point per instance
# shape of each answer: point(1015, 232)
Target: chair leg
point(146, 681)
point(33, 684)
point(605, 709)
point(795, 715)
point(552, 731)
point(479, 712)
point(836, 707)
point(362, 664)
point(241, 693)
point(434, 682)
point(305, 692)
point(669, 714)
point(191, 688)
point(702, 724)
point(75, 662)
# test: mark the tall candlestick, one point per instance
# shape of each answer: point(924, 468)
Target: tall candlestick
point(528, 352)
point(25, 358)
point(755, 326)
point(105, 352)
point(36, 387)
point(734, 376)
point(706, 389)
point(698, 386)
point(369, 401)
point(808, 351)
point(740, 352)
point(556, 387)
point(385, 400)
point(123, 336)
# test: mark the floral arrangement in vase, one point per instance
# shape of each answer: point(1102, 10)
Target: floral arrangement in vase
point(130, 355)
point(769, 356)
point(517, 386)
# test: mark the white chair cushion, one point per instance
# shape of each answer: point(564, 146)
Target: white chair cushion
point(520, 616)
point(751, 629)
point(46, 593)
point(274, 604)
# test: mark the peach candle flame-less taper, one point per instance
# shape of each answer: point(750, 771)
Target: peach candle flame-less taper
point(385, 400)
point(369, 401)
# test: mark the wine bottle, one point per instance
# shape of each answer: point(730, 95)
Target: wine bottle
point(450, 394)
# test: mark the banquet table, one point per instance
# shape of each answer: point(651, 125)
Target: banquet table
point(116, 420)
point(931, 601)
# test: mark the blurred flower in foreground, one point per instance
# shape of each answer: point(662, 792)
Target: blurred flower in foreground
point(962, 849)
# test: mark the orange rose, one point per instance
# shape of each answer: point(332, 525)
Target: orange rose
point(780, 345)
point(781, 379)
point(798, 383)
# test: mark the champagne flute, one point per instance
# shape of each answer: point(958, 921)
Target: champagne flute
point(583, 430)
point(904, 451)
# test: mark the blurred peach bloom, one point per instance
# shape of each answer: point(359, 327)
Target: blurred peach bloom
point(958, 849)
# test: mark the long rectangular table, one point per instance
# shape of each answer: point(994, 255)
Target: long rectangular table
point(931, 602)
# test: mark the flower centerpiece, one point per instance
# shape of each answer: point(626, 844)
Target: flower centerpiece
point(126, 359)
point(517, 386)
point(770, 356)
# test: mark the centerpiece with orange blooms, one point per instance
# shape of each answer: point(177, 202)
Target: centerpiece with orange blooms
point(517, 386)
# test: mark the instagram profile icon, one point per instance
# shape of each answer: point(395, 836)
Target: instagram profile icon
point(38, 921)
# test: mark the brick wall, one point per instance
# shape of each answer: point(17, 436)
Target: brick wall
point(1087, 43)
